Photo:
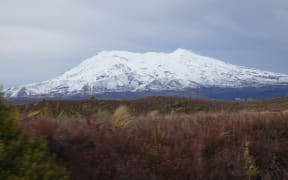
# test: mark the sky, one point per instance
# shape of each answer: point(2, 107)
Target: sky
point(41, 39)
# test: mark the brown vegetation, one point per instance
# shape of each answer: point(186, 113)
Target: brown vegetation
point(164, 105)
point(151, 139)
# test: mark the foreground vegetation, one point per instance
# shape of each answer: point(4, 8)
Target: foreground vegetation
point(23, 155)
point(164, 138)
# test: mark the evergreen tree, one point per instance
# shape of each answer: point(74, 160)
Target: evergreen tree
point(22, 155)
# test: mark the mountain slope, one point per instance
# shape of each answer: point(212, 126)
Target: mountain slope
point(121, 71)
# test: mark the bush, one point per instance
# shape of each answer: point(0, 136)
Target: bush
point(201, 146)
point(22, 155)
point(223, 141)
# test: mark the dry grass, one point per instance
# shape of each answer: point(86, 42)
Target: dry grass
point(163, 105)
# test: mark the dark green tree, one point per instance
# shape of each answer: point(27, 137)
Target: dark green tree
point(23, 155)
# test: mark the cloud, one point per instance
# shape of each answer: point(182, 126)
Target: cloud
point(25, 40)
point(58, 34)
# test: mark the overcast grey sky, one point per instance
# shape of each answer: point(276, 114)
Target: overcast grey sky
point(40, 39)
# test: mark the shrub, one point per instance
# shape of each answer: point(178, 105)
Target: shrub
point(219, 144)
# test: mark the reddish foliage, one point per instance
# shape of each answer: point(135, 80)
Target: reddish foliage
point(207, 146)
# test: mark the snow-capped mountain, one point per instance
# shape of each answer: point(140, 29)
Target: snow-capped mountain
point(121, 71)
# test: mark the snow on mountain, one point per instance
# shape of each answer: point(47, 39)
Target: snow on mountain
point(121, 71)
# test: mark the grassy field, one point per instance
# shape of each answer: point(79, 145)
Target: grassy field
point(163, 138)
point(164, 105)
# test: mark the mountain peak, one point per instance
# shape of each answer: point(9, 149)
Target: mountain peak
point(182, 51)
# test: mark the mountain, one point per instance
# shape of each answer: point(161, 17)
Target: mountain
point(177, 73)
